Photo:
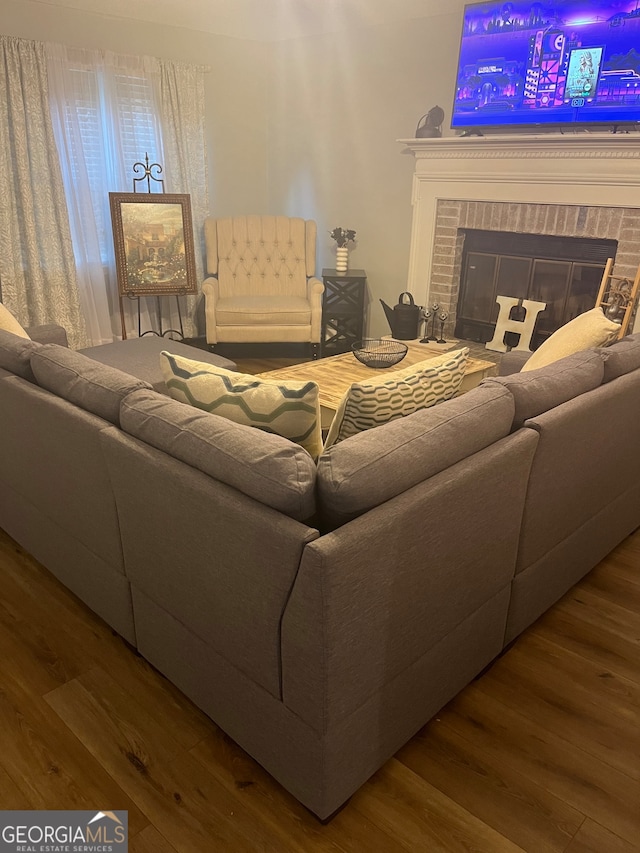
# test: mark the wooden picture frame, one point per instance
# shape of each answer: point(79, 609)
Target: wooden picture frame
point(153, 243)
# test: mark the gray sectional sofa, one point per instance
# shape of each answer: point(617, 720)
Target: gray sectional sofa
point(319, 614)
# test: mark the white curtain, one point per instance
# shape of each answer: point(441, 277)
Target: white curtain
point(183, 134)
point(109, 111)
point(104, 109)
point(37, 269)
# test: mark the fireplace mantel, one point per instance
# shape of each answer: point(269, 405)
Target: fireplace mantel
point(584, 171)
point(576, 159)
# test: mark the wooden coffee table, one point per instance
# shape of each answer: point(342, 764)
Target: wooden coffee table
point(335, 374)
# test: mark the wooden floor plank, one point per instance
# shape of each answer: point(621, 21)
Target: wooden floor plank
point(571, 625)
point(617, 580)
point(534, 748)
point(63, 638)
point(621, 618)
point(348, 831)
point(150, 841)
point(513, 803)
point(590, 716)
point(49, 764)
point(421, 817)
point(611, 689)
point(189, 807)
point(14, 793)
point(593, 838)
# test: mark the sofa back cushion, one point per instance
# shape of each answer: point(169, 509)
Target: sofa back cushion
point(376, 465)
point(538, 391)
point(81, 380)
point(266, 467)
point(15, 354)
point(622, 357)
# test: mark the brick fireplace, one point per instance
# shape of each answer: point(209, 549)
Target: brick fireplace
point(585, 185)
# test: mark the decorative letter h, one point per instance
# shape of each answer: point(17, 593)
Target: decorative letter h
point(524, 328)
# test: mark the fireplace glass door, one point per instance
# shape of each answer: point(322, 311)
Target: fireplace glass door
point(569, 286)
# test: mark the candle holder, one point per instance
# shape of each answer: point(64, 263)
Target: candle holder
point(433, 313)
point(443, 317)
point(426, 314)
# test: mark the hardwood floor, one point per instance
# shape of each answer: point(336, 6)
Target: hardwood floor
point(540, 754)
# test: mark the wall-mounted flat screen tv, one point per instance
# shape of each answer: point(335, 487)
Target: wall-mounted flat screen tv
point(569, 62)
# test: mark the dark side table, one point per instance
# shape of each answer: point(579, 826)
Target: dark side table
point(343, 307)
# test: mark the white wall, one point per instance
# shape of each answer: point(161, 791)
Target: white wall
point(337, 105)
point(306, 126)
point(235, 88)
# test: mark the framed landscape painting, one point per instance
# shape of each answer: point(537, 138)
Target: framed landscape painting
point(153, 242)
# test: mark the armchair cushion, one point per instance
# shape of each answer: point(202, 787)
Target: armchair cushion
point(290, 409)
point(264, 310)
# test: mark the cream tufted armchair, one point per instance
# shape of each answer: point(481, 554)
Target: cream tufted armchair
point(261, 287)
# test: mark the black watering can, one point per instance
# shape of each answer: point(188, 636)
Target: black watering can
point(404, 318)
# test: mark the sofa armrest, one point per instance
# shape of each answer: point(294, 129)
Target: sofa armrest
point(512, 362)
point(50, 333)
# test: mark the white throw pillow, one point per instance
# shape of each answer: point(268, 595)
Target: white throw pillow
point(9, 323)
point(289, 409)
point(591, 329)
point(387, 397)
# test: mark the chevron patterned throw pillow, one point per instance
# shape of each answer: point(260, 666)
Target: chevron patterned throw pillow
point(387, 397)
point(290, 409)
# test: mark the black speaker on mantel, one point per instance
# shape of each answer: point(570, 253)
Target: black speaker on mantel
point(432, 126)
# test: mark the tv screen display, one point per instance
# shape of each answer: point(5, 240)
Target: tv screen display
point(568, 62)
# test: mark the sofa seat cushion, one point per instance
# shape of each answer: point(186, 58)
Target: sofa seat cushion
point(288, 409)
point(538, 391)
point(15, 354)
point(394, 395)
point(591, 329)
point(141, 357)
point(376, 465)
point(265, 467)
point(270, 310)
point(622, 357)
point(88, 384)
point(8, 323)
